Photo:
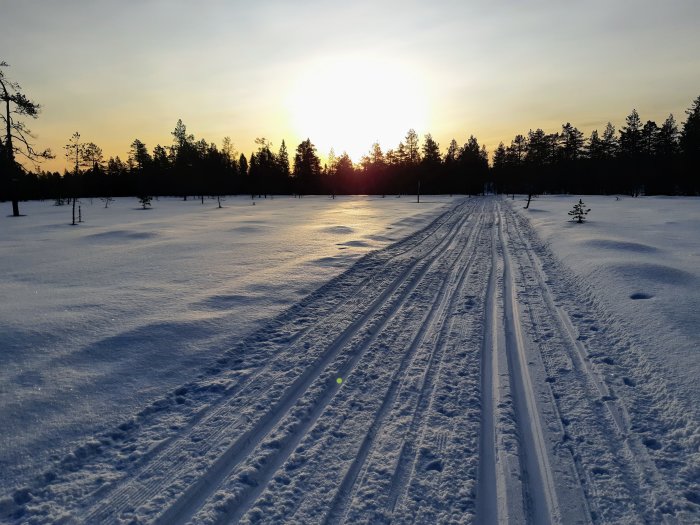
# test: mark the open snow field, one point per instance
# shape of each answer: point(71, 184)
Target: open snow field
point(189, 365)
point(642, 258)
point(100, 319)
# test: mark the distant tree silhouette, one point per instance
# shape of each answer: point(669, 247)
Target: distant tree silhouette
point(183, 153)
point(571, 143)
point(329, 170)
point(431, 164)
point(92, 155)
point(374, 166)
point(648, 140)
point(412, 152)
point(667, 140)
point(283, 161)
point(307, 168)
point(690, 145)
point(345, 174)
point(160, 170)
point(18, 138)
point(539, 156)
point(450, 171)
point(631, 136)
point(242, 167)
point(650, 158)
point(264, 172)
point(75, 153)
point(500, 170)
point(610, 143)
point(594, 147)
point(571, 154)
point(139, 157)
point(630, 152)
point(473, 167)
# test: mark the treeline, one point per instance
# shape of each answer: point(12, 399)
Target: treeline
point(643, 158)
point(195, 167)
point(640, 158)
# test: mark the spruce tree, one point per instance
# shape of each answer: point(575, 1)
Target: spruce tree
point(145, 201)
point(579, 212)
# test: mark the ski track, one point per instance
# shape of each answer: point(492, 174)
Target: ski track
point(481, 384)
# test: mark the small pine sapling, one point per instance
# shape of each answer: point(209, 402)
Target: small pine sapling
point(578, 214)
point(145, 201)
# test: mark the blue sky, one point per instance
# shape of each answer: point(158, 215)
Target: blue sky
point(345, 73)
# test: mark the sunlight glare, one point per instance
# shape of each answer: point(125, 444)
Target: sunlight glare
point(348, 104)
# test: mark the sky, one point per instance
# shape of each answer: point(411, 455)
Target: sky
point(345, 73)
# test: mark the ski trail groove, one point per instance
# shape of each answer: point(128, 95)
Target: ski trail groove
point(491, 505)
point(162, 470)
point(636, 460)
point(473, 392)
point(435, 320)
point(407, 457)
point(196, 494)
point(535, 458)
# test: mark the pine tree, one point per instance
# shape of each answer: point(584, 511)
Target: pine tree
point(18, 138)
point(667, 139)
point(145, 201)
point(690, 135)
point(571, 142)
point(578, 213)
point(631, 136)
point(283, 160)
point(610, 145)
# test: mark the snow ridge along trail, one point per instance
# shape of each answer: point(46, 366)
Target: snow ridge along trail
point(469, 394)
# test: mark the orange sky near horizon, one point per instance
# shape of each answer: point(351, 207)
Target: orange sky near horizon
point(345, 74)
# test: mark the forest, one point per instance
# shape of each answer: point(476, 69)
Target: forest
point(639, 158)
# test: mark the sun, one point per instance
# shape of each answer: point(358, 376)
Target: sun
point(350, 103)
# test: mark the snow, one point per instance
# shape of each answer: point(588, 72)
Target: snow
point(642, 258)
point(180, 364)
point(99, 319)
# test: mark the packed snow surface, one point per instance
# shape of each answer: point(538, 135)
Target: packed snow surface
point(98, 320)
point(182, 364)
point(642, 257)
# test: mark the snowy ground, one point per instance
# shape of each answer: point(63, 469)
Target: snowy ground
point(474, 371)
point(642, 258)
point(100, 319)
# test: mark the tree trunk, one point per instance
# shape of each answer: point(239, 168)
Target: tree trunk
point(10, 154)
point(529, 198)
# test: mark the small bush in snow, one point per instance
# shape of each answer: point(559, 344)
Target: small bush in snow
point(578, 214)
point(145, 201)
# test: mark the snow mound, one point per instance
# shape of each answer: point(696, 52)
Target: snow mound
point(655, 273)
point(121, 236)
point(613, 244)
point(337, 230)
